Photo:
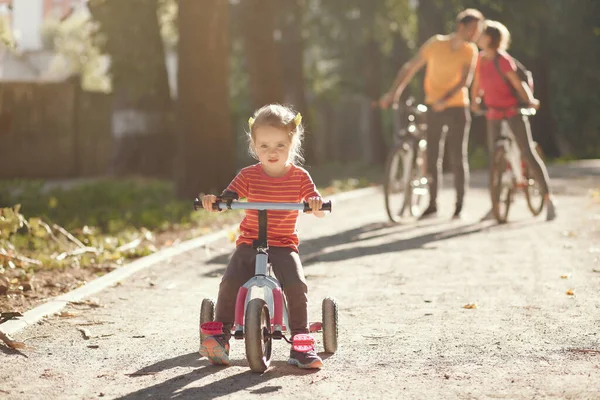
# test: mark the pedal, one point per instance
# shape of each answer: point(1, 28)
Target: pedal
point(315, 327)
point(278, 335)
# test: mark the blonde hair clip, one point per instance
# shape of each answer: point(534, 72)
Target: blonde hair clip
point(250, 122)
point(298, 119)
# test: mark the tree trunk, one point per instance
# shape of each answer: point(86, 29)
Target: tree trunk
point(262, 51)
point(206, 146)
point(142, 102)
point(373, 88)
point(292, 52)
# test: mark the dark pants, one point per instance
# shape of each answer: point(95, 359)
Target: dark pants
point(458, 122)
point(288, 271)
point(519, 125)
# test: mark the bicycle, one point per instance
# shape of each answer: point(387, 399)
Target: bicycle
point(510, 172)
point(261, 312)
point(406, 186)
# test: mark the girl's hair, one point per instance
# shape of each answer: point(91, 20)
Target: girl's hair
point(499, 35)
point(469, 15)
point(281, 117)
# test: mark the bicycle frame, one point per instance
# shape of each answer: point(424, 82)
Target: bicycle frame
point(409, 128)
point(512, 154)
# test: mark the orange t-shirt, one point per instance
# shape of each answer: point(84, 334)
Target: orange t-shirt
point(445, 69)
point(256, 186)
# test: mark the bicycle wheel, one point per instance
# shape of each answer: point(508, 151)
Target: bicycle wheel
point(394, 185)
point(501, 191)
point(257, 327)
point(533, 192)
point(397, 187)
point(419, 184)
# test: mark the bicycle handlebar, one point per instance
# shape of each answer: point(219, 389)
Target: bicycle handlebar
point(239, 205)
point(523, 110)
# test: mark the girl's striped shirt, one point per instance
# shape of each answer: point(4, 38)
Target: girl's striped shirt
point(255, 185)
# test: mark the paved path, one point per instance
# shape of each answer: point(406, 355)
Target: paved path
point(401, 290)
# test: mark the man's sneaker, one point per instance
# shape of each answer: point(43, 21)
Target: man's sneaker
point(550, 210)
point(303, 354)
point(431, 211)
point(215, 347)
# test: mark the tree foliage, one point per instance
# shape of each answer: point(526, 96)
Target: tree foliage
point(77, 50)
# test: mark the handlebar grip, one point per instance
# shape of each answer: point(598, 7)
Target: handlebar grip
point(198, 204)
point(215, 205)
point(324, 207)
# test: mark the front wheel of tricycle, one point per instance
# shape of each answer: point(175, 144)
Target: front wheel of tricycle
point(207, 314)
point(257, 333)
point(330, 325)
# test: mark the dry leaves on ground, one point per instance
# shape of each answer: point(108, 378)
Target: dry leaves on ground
point(10, 342)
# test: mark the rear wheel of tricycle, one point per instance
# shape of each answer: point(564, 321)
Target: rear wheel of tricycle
point(257, 334)
point(330, 325)
point(207, 314)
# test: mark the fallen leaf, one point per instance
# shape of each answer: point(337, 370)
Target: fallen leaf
point(593, 351)
point(85, 333)
point(470, 306)
point(570, 292)
point(567, 276)
point(6, 316)
point(10, 342)
point(89, 303)
point(95, 323)
point(67, 314)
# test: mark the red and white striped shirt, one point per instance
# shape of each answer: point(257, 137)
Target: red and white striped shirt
point(256, 186)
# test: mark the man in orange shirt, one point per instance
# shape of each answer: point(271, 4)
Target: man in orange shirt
point(450, 61)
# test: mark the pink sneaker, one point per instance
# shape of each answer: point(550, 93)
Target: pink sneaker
point(215, 347)
point(303, 354)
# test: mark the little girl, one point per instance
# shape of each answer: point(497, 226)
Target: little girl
point(275, 140)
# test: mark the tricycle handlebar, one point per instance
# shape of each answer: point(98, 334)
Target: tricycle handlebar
point(242, 205)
